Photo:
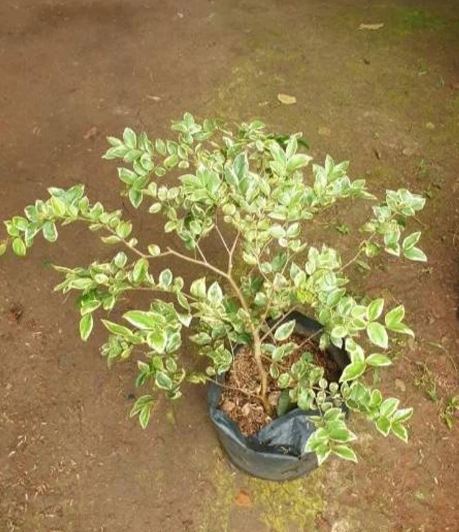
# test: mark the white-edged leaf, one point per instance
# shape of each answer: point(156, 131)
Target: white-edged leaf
point(157, 340)
point(389, 406)
point(378, 334)
point(400, 431)
point(19, 248)
point(411, 240)
point(377, 360)
point(352, 371)
point(140, 270)
point(284, 330)
point(375, 308)
point(345, 452)
point(215, 293)
point(117, 329)
point(394, 316)
point(198, 288)
point(86, 325)
point(383, 425)
point(415, 254)
point(165, 278)
point(130, 138)
point(141, 319)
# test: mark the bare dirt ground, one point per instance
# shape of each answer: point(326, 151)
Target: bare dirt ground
point(75, 71)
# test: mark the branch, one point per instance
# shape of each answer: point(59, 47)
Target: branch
point(222, 239)
point(231, 252)
point(203, 263)
point(357, 255)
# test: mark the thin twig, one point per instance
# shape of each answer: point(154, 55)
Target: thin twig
point(221, 238)
point(231, 252)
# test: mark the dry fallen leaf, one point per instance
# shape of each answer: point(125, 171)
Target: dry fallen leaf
point(286, 99)
point(154, 98)
point(243, 499)
point(371, 26)
point(92, 132)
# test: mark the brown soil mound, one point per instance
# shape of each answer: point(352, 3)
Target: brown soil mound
point(242, 385)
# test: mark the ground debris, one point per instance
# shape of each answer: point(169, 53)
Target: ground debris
point(243, 499)
point(377, 26)
point(286, 99)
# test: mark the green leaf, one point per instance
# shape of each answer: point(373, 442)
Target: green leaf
point(322, 456)
point(198, 288)
point(86, 325)
point(415, 254)
point(352, 371)
point(135, 197)
point(130, 138)
point(400, 431)
point(144, 416)
point(142, 401)
point(124, 229)
point(112, 239)
point(58, 206)
point(339, 331)
point(117, 329)
point(142, 407)
point(277, 231)
point(141, 319)
point(374, 309)
point(3, 246)
point(154, 250)
point(284, 330)
point(154, 208)
point(19, 248)
point(401, 328)
point(140, 270)
point(376, 360)
point(388, 407)
point(157, 340)
point(340, 433)
point(215, 293)
point(411, 240)
point(185, 319)
point(240, 165)
point(393, 320)
point(165, 278)
point(395, 316)
point(383, 425)
point(345, 452)
point(402, 415)
point(163, 381)
point(378, 335)
point(297, 161)
point(120, 259)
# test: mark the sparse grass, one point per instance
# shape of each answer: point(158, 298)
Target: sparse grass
point(426, 382)
point(293, 505)
point(449, 409)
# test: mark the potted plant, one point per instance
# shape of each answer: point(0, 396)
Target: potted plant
point(287, 346)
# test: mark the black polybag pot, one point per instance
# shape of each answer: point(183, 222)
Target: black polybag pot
point(276, 452)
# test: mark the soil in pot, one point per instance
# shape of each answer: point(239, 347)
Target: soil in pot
point(239, 398)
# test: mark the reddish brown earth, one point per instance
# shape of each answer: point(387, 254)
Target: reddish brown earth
point(75, 71)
